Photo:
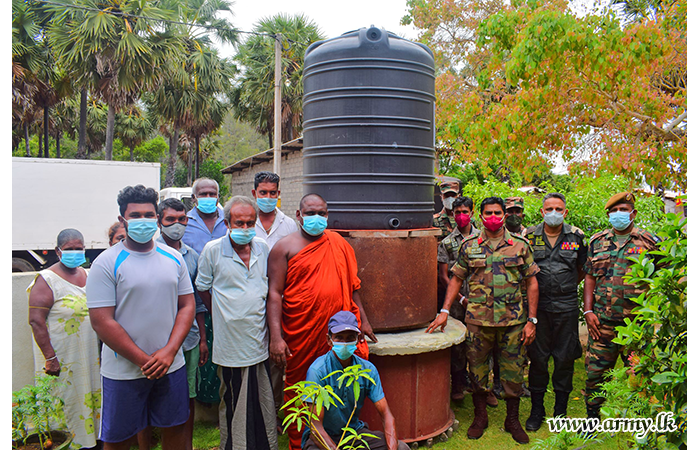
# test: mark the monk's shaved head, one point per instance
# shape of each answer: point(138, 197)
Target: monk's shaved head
point(309, 197)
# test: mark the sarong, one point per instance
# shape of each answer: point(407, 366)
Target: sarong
point(320, 281)
point(247, 415)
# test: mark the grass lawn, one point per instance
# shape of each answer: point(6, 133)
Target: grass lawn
point(206, 435)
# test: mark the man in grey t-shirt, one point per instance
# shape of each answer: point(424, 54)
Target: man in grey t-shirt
point(141, 306)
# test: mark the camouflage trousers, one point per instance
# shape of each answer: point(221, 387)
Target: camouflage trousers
point(601, 357)
point(510, 353)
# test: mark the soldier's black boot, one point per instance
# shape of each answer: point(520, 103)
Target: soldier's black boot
point(593, 412)
point(537, 412)
point(512, 423)
point(560, 403)
point(481, 418)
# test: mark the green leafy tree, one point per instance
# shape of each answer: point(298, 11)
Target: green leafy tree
point(236, 140)
point(657, 335)
point(254, 98)
point(523, 83)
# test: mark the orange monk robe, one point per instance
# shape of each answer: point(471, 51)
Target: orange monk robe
point(320, 281)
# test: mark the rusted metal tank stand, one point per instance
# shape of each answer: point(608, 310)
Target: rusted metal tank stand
point(415, 371)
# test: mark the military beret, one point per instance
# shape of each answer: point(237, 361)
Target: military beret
point(515, 202)
point(449, 186)
point(622, 197)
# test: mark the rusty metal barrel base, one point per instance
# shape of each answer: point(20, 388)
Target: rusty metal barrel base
point(414, 368)
point(399, 276)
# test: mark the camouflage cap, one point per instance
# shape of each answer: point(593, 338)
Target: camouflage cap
point(622, 197)
point(515, 202)
point(449, 186)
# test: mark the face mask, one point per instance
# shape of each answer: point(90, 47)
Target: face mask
point(266, 205)
point(514, 221)
point(207, 205)
point(492, 223)
point(447, 202)
point(242, 236)
point(344, 350)
point(72, 258)
point(619, 220)
point(141, 230)
point(174, 232)
point(554, 218)
point(463, 220)
point(314, 225)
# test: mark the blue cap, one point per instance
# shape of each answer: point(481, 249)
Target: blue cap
point(343, 321)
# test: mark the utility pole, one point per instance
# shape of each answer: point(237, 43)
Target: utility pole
point(277, 155)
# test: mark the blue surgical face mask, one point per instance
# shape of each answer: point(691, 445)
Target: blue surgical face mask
point(72, 258)
point(207, 205)
point(619, 220)
point(314, 225)
point(141, 230)
point(344, 350)
point(242, 236)
point(266, 205)
point(554, 218)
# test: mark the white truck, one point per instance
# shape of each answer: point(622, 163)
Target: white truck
point(49, 195)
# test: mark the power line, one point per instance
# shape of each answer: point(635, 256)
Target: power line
point(127, 15)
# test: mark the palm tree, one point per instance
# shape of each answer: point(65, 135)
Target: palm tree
point(133, 128)
point(255, 97)
point(26, 61)
point(195, 78)
point(125, 53)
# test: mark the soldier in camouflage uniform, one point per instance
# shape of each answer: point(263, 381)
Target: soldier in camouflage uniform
point(445, 219)
point(494, 264)
point(448, 251)
point(515, 213)
point(606, 297)
point(560, 252)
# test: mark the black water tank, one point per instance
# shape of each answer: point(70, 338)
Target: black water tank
point(369, 141)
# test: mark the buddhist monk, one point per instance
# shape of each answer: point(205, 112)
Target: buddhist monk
point(312, 275)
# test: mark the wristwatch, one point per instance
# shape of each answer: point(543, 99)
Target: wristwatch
point(533, 320)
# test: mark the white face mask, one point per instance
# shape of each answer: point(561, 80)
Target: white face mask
point(447, 202)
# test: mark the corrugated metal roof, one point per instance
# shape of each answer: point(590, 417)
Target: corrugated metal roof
point(268, 155)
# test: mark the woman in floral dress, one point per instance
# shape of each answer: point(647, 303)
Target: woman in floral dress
point(65, 343)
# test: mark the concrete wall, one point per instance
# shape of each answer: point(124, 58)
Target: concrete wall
point(22, 355)
point(290, 181)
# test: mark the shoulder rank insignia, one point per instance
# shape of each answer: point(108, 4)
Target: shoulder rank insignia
point(569, 246)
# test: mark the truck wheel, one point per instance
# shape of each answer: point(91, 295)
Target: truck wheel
point(21, 265)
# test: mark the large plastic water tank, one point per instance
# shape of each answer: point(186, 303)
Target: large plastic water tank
point(369, 141)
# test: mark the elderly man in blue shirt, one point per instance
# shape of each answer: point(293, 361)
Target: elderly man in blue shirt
point(343, 335)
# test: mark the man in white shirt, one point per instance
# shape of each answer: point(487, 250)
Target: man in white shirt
point(234, 268)
point(272, 224)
